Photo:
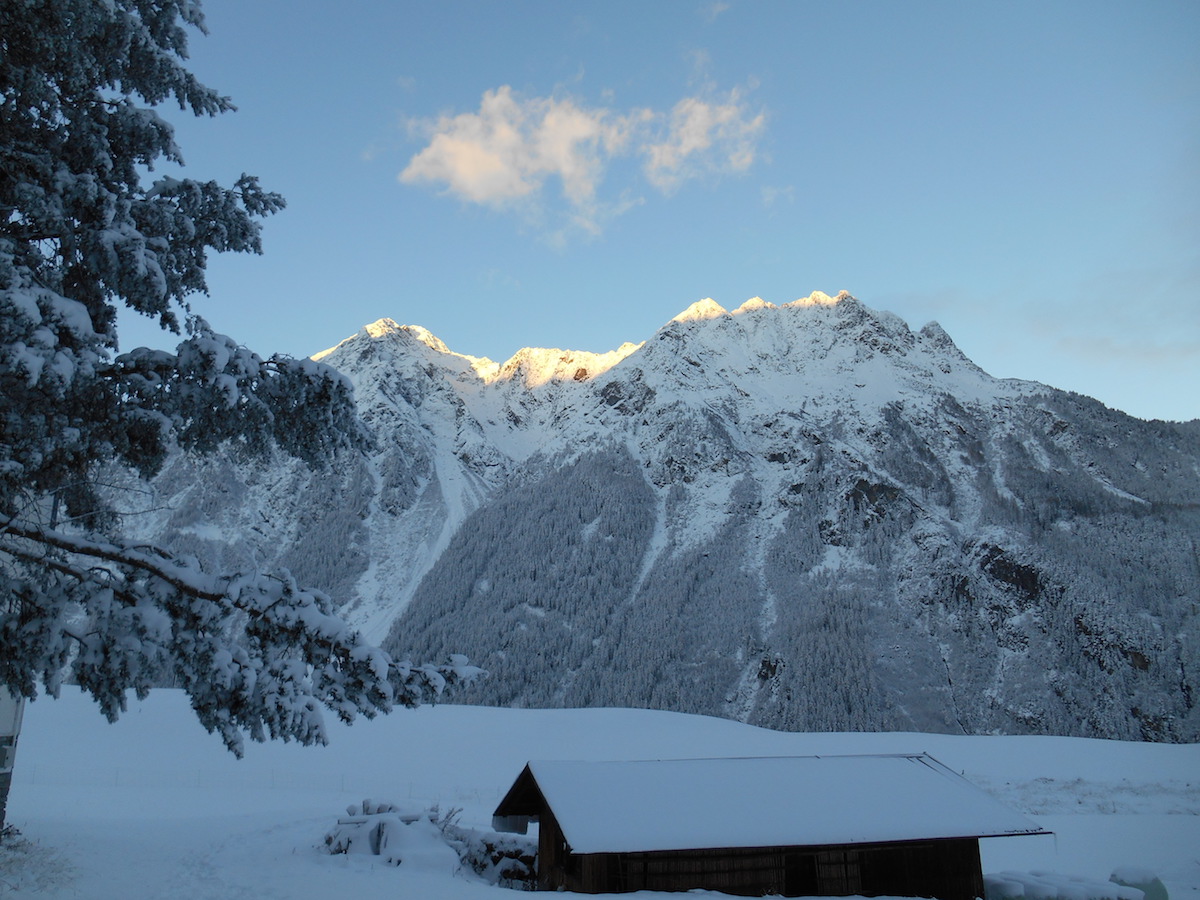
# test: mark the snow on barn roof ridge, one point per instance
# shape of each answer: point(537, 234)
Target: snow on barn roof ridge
point(681, 804)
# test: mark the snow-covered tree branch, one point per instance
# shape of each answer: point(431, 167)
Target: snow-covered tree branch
point(256, 653)
point(80, 234)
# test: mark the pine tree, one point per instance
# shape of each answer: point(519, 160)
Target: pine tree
point(85, 227)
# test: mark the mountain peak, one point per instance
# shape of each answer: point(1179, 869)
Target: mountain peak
point(380, 327)
point(936, 335)
point(389, 328)
point(710, 309)
point(385, 327)
point(367, 342)
point(753, 304)
point(536, 366)
point(820, 298)
point(701, 309)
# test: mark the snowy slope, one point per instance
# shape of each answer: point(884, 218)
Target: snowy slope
point(151, 807)
point(805, 516)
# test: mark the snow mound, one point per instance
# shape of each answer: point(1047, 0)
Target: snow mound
point(1040, 885)
point(1140, 879)
point(433, 840)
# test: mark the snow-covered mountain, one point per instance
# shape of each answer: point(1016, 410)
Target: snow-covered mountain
point(803, 516)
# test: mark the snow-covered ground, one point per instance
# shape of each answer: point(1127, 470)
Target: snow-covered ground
point(154, 808)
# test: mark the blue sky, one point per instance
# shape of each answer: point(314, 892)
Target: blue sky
point(572, 174)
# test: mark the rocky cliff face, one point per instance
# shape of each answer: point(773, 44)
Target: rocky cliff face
point(805, 516)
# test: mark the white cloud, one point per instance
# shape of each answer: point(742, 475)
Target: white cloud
point(704, 138)
point(483, 157)
point(503, 155)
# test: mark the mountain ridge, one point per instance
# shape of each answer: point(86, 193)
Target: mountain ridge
point(802, 516)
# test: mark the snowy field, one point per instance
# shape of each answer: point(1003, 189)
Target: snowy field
point(153, 807)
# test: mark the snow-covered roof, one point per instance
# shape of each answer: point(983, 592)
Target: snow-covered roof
point(632, 806)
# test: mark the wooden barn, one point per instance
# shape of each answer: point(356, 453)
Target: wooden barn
point(792, 826)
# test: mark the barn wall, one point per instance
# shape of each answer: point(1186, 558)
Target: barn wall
point(5, 783)
point(948, 869)
point(557, 866)
point(945, 869)
point(745, 872)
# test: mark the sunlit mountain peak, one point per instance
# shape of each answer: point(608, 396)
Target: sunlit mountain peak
point(380, 327)
point(383, 327)
point(535, 366)
point(752, 304)
point(710, 309)
point(701, 309)
point(820, 298)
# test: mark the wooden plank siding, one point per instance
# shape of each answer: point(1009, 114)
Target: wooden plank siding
point(946, 869)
